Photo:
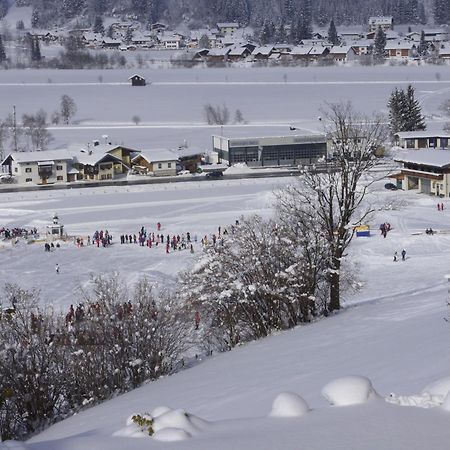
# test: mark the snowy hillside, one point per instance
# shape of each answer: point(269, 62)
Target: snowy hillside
point(392, 332)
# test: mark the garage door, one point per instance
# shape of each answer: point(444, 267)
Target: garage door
point(426, 186)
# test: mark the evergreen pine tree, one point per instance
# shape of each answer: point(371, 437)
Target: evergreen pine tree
point(264, 37)
point(333, 37)
point(379, 44)
point(98, 25)
point(288, 12)
point(35, 15)
point(422, 49)
point(404, 111)
point(397, 109)
point(281, 36)
point(414, 118)
point(441, 11)
point(2, 51)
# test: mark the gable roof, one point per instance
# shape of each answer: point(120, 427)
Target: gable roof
point(39, 156)
point(157, 155)
point(436, 158)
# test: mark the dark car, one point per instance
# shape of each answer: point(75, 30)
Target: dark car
point(390, 186)
point(215, 174)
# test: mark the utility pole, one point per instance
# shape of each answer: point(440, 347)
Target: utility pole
point(15, 128)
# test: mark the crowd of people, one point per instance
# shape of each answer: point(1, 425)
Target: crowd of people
point(12, 233)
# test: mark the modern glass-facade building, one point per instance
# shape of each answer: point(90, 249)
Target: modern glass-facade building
point(271, 151)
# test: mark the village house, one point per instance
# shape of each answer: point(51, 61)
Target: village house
point(435, 35)
point(111, 43)
point(318, 51)
point(362, 46)
point(444, 50)
point(171, 41)
point(422, 139)
point(426, 171)
point(385, 22)
point(262, 53)
point(342, 53)
point(156, 162)
point(403, 49)
point(300, 52)
point(44, 167)
point(228, 28)
point(349, 36)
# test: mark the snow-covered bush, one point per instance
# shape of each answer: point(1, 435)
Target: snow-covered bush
point(251, 282)
point(52, 366)
point(163, 424)
point(289, 404)
point(350, 390)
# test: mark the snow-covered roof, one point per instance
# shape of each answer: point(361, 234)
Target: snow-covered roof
point(399, 45)
point(361, 43)
point(318, 49)
point(265, 50)
point(158, 154)
point(436, 158)
point(444, 49)
point(301, 50)
point(228, 25)
point(94, 157)
point(390, 34)
point(421, 134)
point(341, 49)
point(42, 156)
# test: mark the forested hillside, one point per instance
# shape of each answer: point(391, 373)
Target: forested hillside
point(248, 12)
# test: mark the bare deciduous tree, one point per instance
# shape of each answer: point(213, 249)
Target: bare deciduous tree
point(334, 198)
point(35, 127)
point(68, 108)
point(216, 115)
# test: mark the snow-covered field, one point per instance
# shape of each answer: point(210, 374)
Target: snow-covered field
point(171, 106)
point(392, 332)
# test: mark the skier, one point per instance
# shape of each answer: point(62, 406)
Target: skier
point(442, 207)
point(403, 254)
point(57, 268)
point(439, 206)
point(395, 257)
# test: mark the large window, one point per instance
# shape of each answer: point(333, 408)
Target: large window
point(28, 169)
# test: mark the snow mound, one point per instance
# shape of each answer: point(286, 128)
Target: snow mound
point(289, 404)
point(180, 419)
point(446, 403)
point(171, 435)
point(439, 387)
point(159, 411)
point(349, 390)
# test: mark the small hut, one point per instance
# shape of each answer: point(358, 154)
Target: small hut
point(55, 230)
point(137, 80)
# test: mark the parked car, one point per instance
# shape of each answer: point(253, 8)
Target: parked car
point(215, 174)
point(390, 186)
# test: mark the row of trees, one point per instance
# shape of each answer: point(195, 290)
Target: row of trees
point(53, 365)
point(32, 133)
point(252, 12)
